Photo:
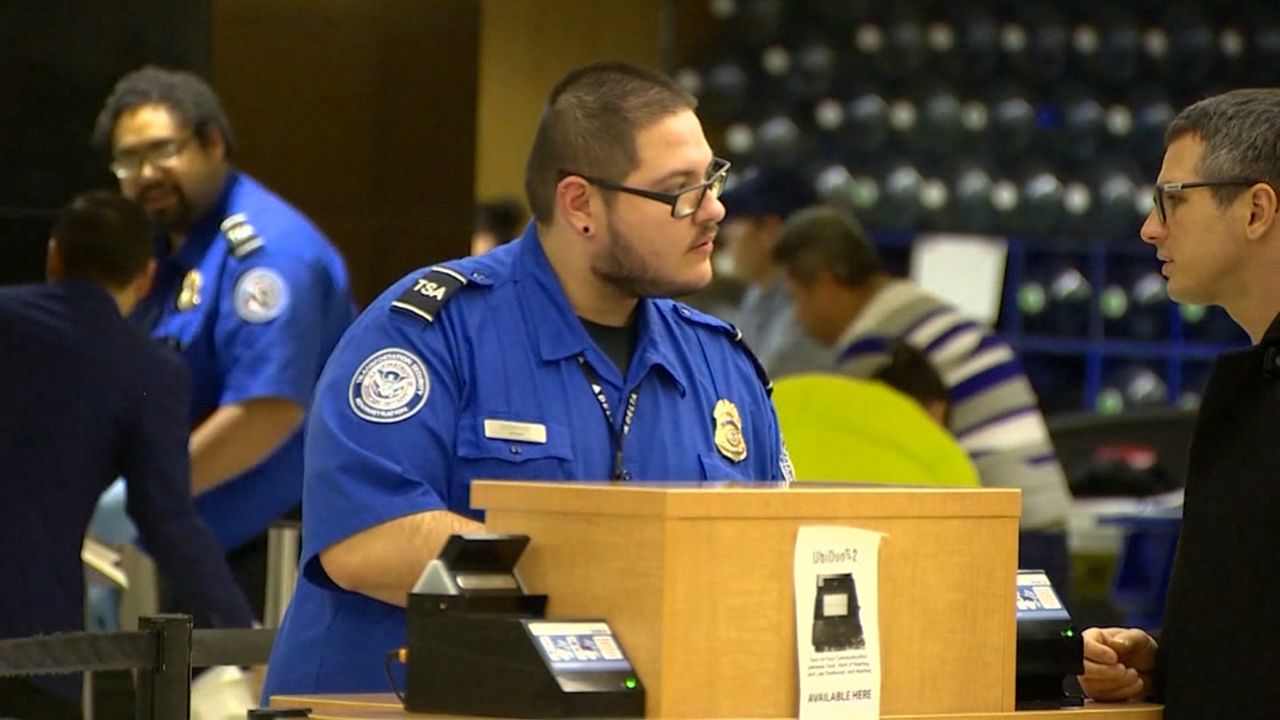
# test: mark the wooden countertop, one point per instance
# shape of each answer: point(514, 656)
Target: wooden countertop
point(385, 706)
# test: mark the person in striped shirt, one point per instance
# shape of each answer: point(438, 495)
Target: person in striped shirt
point(846, 300)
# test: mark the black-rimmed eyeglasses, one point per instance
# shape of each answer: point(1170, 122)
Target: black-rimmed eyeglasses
point(684, 202)
point(1157, 196)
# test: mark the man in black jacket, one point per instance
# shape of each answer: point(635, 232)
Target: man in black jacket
point(1214, 226)
point(85, 398)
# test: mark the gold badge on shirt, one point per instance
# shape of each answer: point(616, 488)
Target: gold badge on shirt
point(189, 294)
point(729, 440)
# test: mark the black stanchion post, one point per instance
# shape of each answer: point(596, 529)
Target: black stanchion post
point(164, 691)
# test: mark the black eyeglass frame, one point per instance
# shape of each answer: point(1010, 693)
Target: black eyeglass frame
point(1157, 195)
point(719, 171)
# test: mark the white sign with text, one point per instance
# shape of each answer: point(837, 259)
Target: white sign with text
point(838, 622)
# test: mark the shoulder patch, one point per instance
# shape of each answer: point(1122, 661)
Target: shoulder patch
point(429, 292)
point(240, 235)
point(261, 294)
point(734, 334)
point(389, 386)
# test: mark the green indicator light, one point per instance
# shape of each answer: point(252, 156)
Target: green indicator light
point(630, 683)
point(1068, 633)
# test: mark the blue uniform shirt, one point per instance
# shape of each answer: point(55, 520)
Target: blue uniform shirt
point(411, 408)
point(255, 299)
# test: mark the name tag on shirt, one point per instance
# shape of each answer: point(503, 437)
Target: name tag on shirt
point(512, 430)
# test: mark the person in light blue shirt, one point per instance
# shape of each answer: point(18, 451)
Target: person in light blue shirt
point(554, 357)
point(248, 290)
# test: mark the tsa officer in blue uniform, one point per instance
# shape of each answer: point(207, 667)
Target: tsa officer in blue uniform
point(248, 290)
point(553, 357)
point(87, 397)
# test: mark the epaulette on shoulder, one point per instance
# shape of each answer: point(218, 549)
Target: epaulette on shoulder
point(428, 293)
point(734, 334)
point(240, 235)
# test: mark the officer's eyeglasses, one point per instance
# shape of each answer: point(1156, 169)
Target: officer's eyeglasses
point(684, 202)
point(1158, 197)
point(160, 153)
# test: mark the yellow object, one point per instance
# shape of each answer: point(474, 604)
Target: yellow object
point(189, 295)
point(840, 429)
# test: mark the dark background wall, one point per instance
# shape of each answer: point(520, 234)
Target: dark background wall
point(383, 120)
point(59, 62)
point(363, 114)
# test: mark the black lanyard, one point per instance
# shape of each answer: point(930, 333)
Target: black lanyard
point(619, 468)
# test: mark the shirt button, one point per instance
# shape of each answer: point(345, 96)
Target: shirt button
point(683, 311)
point(478, 276)
point(515, 450)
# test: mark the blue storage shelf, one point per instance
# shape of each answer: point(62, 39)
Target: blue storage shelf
point(1091, 353)
point(1116, 348)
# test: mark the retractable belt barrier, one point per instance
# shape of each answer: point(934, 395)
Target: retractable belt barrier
point(164, 648)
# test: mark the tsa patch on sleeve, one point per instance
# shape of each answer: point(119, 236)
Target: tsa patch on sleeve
point(261, 295)
point(389, 386)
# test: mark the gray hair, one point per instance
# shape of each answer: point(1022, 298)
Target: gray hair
point(1241, 135)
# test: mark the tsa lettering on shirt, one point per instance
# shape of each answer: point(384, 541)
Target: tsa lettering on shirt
point(473, 369)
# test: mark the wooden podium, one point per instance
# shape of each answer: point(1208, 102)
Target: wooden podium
point(697, 583)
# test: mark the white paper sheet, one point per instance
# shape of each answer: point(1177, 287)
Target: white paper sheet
point(838, 622)
point(965, 270)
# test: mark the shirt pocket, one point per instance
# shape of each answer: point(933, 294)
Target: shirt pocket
point(716, 467)
point(490, 458)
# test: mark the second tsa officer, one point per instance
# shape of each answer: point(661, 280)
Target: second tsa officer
point(247, 289)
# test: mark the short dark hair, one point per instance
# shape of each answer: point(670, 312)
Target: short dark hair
point(589, 126)
point(103, 237)
point(502, 217)
point(825, 238)
point(910, 372)
point(1240, 130)
point(185, 94)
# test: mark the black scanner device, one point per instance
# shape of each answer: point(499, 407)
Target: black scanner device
point(479, 644)
point(1049, 648)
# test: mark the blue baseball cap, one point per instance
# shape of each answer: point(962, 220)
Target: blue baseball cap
point(770, 191)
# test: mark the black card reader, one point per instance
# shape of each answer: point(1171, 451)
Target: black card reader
point(480, 645)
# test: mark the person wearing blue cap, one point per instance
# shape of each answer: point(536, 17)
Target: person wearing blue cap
point(755, 210)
